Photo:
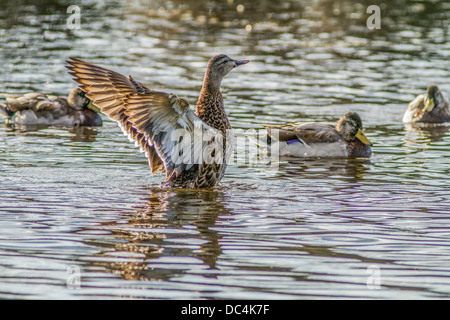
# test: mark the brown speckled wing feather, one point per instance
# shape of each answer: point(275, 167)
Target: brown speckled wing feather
point(108, 91)
point(162, 124)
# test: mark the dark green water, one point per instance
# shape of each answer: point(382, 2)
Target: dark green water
point(84, 199)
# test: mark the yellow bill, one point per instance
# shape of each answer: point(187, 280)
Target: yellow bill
point(429, 105)
point(93, 107)
point(362, 137)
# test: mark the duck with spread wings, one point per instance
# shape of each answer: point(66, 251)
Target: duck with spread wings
point(192, 148)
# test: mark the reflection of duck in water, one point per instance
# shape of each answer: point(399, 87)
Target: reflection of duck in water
point(431, 107)
point(83, 134)
point(171, 224)
point(38, 109)
point(345, 140)
point(351, 169)
point(425, 134)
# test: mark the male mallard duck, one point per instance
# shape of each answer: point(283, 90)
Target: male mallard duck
point(431, 107)
point(41, 109)
point(191, 148)
point(310, 139)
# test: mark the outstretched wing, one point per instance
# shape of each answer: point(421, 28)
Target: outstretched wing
point(163, 125)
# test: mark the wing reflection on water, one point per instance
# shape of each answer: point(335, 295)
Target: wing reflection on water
point(174, 229)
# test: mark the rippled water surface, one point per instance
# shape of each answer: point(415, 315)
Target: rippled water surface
point(82, 202)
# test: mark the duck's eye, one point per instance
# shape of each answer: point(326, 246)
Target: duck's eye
point(223, 62)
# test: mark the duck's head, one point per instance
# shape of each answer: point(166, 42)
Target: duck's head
point(218, 67)
point(433, 99)
point(350, 128)
point(77, 100)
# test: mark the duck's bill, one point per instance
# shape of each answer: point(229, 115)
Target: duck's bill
point(362, 137)
point(429, 105)
point(93, 107)
point(240, 62)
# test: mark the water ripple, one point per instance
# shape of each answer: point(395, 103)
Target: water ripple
point(315, 228)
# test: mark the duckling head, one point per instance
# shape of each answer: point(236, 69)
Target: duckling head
point(218, 67)
point(350, 128)
point(77, 100)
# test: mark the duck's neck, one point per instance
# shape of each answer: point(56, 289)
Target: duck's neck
point(210, 107)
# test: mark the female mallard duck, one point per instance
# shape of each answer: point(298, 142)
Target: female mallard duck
point(310, 139)
point(431, 107)
point(191, 148)
point(42, 109)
